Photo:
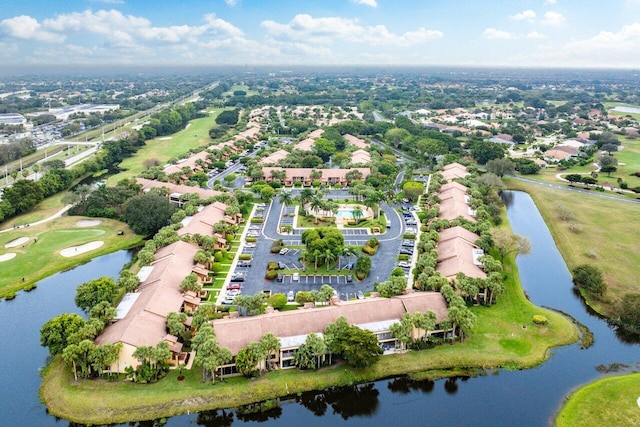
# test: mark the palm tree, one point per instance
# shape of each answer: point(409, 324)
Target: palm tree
point(357, 214)
point(329, 257)
point(316, 205)
point(316, 254)
point(305, 196)
point(36, 168)
point(285, 198)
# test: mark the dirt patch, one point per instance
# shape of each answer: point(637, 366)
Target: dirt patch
point(77, 250)
point(88, 223)
point(17, 242)
point(7, 257)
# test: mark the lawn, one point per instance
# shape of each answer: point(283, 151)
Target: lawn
point(610, 401)
point(38, 259)
point(606, 237)
point(164, 148)
point(498, 340)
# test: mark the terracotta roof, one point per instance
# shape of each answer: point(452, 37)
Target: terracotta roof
point(455, 205)
point(360, 156)
point(316, 134)
point(237, 333)
point(190, 162)
point(203, 221)
point(175, 188)
point(274, 157)
point(453, 184)
point(305, 173)
point(305, 144)
point(145, 323)
point(457, 232)
point(454, 170)
point(360, 143)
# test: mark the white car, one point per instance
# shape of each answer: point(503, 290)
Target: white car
point(291, 296)
point(250, 245)
point(284, 251)
point(404, 264)
point(295, 277)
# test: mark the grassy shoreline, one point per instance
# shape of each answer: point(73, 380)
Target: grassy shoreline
point(610, 401)
point(504, 336)
point(605, 237)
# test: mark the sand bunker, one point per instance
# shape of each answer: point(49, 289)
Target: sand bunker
point(7, 257)
point(88, 222)
point(77, 250)
point(165, 138)
point(17, 242)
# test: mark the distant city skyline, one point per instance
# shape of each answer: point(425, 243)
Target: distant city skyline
point(540, 33)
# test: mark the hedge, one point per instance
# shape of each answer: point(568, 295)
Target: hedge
point(244, 257)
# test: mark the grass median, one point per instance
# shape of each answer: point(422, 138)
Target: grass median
point(504, 336)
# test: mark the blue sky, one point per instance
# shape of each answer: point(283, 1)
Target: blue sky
point(541, 33)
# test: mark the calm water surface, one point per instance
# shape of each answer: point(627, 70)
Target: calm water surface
point(523, 398)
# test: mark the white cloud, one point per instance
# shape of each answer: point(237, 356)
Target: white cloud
point(553, 18)
point(528, 15)
point(27, 28)
point(108, 1)
point(328, 30)
point(231, 2)
point(493, 34)
point(550, 2)
point(535, 35)
point(603, 50)
point(371, 3)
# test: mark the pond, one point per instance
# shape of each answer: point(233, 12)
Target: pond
point(526, 398)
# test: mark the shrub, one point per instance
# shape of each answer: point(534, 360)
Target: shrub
point(272, 265)
point(373, 242)
point(10, 296)
point(257, 220)
point(409, 236)
point(369, 250)
point(277, 301)
point(539, 319)
point(245, 257)
point(271, 274)
point(275, 247)
point(403, 257)
point(251, 239)
point(589, 278)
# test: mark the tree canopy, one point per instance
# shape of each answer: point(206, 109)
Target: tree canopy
point(93, 292)
point(148, 213)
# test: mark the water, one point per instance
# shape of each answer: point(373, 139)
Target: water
point(345, 213)
point(21, 354)
point(506, 398)
point(622, 109)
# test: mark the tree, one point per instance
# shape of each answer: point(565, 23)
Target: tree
point(397, 136)
point(324, 148)
point(175, 323)
point(209, 354)
point(128, 280)
point(277, 301)
point(501, 167)
point(90, 293)
point(402, 330)
point(508, 243)
point(353, 175)
point(589, 278)
point(148, 213)
point(271, 345)
point(359, 347)
point(190, 283)
point(23, 195)
point(413, 189)
point(309, 355)
point(483, 151)
point(103, 311)
point(357, 214)
point(248, 359)
point(630, 309)
point(363, 266)
point(325, 293)
point(250, 305)
point(573, 178)
point(394, 286)
point(285, 198)
point(55, 333)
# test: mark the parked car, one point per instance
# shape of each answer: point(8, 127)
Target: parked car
point(349, 278)
point(349, 266)
point(250, 245)
point(408, 243)
point(284, 251)
point(244, 263)
point(406, 251)
point(360, 295)
point(295, 277)
point(234, 286)
point(291, 296)
point(280, 278)
point(282, 266)
point(237, 278)
point(404, 264)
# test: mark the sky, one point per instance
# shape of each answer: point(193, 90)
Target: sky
point(506, 33)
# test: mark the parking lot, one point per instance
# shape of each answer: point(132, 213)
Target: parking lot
point(251, 276)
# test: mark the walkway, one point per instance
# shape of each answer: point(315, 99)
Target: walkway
point(42, 221)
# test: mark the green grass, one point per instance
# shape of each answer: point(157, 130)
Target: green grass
point(164, 148)
point(609, 401)
point(496, 341)
point(608, 238)
point(36, 260)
